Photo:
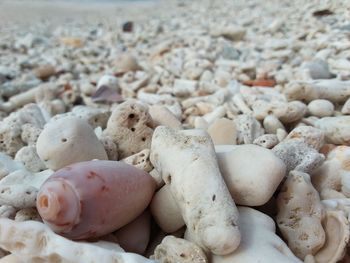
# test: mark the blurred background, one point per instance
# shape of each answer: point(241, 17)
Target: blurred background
point(32, 10)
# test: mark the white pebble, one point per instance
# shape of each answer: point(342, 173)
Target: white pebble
point(321, 108)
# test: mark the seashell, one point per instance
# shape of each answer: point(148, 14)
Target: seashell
point(91, 199)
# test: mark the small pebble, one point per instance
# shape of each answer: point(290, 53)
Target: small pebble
point(321, 108)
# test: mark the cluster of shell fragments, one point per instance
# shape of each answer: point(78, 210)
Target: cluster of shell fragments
point(175, 132)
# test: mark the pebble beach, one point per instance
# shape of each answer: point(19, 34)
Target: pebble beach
point(169, 131)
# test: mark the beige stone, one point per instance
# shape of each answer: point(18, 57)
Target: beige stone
point(252, 173)
point(166, 211)
point(223, 131)
point(45, 71)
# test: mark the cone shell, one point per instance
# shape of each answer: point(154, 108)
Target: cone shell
point(91, 199)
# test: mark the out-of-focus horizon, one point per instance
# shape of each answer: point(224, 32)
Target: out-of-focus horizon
point(30, 11)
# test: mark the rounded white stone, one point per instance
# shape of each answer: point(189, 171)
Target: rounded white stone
point(252, 173)
point(321, 108)
point(68, 140)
